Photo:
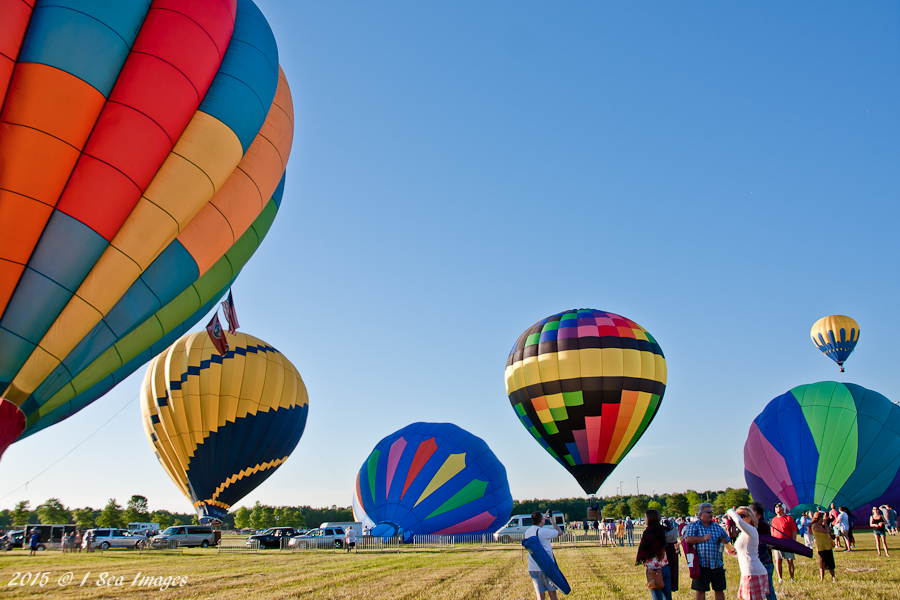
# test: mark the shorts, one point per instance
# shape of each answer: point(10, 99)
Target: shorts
point(826, 560)
point(893, 524)
point(351, 544)
point(708, 576)
point(878, 532)
point(776, 554)
point(541, 583)
point(753, 587)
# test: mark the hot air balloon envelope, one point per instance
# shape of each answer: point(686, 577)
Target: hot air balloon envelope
point(221, 425)
point(143, 147)
point(825, 442)
point(836, 336)
point(432, 478)
point(586, 384)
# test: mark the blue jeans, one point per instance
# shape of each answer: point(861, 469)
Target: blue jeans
point(629, 533)
point(770, 568)
point(664, 594)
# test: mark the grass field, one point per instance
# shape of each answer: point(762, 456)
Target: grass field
point(594, 573)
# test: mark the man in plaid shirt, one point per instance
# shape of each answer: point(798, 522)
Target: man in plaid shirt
point(708, 538)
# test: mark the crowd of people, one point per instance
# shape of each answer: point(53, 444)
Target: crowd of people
point(611, 532)
point(761, 547)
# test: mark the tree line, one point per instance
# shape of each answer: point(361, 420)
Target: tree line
point(113, 515)
point(262, 516)
point(616, 507)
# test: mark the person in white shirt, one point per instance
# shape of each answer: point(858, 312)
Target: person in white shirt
point(350, 539)
point(754, 575)
point(542, 585)
point(843, 526)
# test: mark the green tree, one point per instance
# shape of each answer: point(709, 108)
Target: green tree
point(291, 517)
point(719, 504)
point(655, 505)
point(84, 518)
point(5, 518)
point(693, 501)
point(177, 521)
point(637, 506)
point(52, 511)
point(242, 518)
point(611, 511)
point(21, 513)
point(136, 511)
point(163, 517)
point(260, 516)
point(676, 505)
point(737, 497)
point(111, 515)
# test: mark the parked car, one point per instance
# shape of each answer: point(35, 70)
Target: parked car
point(330, 537)
point(16, 538)
point(519, 524)
point(186, 535)
point(273, 537)
point(116, 538)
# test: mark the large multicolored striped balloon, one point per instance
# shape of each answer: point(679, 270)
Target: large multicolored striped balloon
point(586, 384)
point(221, 425)
point(142, 156)
point(822, 443)
point(836, 336)
point(432, 478)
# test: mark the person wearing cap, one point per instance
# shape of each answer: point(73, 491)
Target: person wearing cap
point(783, 527)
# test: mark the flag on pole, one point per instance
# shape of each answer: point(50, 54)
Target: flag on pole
point(230, 313)
point(217, 334)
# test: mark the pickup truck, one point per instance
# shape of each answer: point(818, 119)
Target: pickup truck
point(274, 537)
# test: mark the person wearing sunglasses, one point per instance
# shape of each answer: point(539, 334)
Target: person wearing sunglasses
point(708, 538)
point(754, 576)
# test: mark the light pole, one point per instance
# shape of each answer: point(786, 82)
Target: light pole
point(636, 485)
point(621, 488)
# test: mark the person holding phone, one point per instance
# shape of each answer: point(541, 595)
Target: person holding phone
point(545, 535)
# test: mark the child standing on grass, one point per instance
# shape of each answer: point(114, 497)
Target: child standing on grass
point(824, 546)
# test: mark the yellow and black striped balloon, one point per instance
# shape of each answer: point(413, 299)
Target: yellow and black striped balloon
point(221, 425)
point(586, 384)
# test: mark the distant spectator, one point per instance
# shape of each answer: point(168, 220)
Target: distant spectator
point(350, 539)
point(879, 525)
point(803, 529)
point(783, 527)
point(843, 527)
point(629, 531)
point(35, 540)
point(824, 545)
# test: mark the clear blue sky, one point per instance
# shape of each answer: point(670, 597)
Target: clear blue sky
point(723, 175)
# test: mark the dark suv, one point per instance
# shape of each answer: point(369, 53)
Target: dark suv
point(274, 537)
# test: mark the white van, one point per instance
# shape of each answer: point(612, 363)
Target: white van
point(515, 528)
point(345, 525)
point(187, 535)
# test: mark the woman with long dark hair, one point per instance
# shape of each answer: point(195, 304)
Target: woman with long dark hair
point(652, 553)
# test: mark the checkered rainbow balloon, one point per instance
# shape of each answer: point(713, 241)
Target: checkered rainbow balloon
point(586, 384)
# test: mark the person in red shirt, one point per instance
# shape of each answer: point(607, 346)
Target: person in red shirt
point(783, 526)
